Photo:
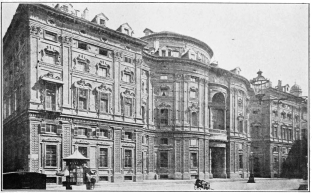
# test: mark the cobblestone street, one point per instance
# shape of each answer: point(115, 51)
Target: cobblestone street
point(179, 185)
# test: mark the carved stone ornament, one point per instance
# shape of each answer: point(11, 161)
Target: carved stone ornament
point(179, 76)
point(255, 124)
point(81, 58)
point(51, 140)
point(82, 142)
point(103, 143)
point(128, 71)
point(128, 93)
point(164, 105)
point(103, 88)
point(240, 117)
point(82, 84)
point(193, 108)
point(118, 55)
point(275, 125)
point(51, 51)
point(128, 145)
point(34, 30)
point(138, 61)
point(194, 89)
point(51, 75)
point(67, 40)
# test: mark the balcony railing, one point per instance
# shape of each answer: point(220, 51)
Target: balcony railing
point(217, 131)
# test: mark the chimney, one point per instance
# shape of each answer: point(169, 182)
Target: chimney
point(85, 14)
point(279, 85)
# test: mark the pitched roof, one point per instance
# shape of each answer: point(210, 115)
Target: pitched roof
point(76, 156)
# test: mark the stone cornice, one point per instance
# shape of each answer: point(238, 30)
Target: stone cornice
point(62, 15)
point(166, 34)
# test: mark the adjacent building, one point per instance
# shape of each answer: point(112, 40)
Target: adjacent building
point(277, 120)
point(158, 106)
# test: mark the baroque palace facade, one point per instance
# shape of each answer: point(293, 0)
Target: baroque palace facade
point(276, 123)
point(134, 107)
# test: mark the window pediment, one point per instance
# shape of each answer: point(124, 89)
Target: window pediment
point(51, 51)
point(82, 84)
point(194, 107)
point(194, 89)
point(164, 105)
point(128, 94)
point(82, 60)
point(51, 77)
point(103, 88)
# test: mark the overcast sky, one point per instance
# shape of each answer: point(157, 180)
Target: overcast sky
point(269, 37)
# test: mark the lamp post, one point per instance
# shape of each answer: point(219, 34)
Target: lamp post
point(251, 166)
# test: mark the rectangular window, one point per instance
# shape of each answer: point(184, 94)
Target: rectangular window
point(81, 66)
point(164, 116)
point(50, 58)
point(50, 98)
point(102, 21)
point(193, 142)
point(103, 52)
point(127, 60)
point(50, 36)
point(128, 158)
point(51, 155)
point(192, 94)
point(83, 151)
point(193, 160)
point(164, 159)
point(126, 31)
point(241, 165)
point(164, 141)
point(82, 45)
point(127, 78)
point(104, 103)
point(82, 131)
point(163, 53)
point(275, 132)
point(128, 135)
point(50, 128)
point(104, 133)
point(103, 157)
point(83, 99)
point(102, 72)
point(163, 77)
point(169, 52)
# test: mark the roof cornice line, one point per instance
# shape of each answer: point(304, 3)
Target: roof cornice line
point(90, 24)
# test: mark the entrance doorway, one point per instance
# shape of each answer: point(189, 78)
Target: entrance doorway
point(217, 162)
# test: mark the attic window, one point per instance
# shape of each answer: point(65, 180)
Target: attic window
point(102, 21)
point(127, 31)
point(82, 45)
point(103, 52)
point(103, 39)
point(128, 60)
point(51, 22)
point(82, 31)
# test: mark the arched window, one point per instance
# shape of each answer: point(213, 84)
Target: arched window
point(218, 98)
point(194, 119)
point(164, 116)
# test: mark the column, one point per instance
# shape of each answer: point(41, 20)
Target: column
point(138, 158)
point(151, 158)
point(211, 174)
point(225, 119)
point(201, 158)
point(223, 175)
point(117, 176)
point(207, 160)
point(178, 159)
point(186, 158)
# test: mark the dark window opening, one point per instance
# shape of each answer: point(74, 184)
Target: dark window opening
point(83, 151)
point(103, 157)
point(82, 45)
point(164, 159)
point(164, 141)
point(50, 36)
point(241, 165)
point(103, 52)
point(102, 21)
point(164, 116)
point(193, 160)
point(51, 155)
point(50, 128)
point(128, 158)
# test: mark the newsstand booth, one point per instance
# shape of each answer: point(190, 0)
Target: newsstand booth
point(75, 164)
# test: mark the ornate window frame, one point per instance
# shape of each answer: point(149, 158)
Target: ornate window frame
point(56, 81)
point(77, 86)
point(160, 107)
point(164, 90)
point(103, 89)
point(103, 64)
point(127, 71)
point(128, 98)
point(193, 89)
point(51, 51)
point(82, 59)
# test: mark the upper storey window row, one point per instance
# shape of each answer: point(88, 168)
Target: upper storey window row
point(97, 50)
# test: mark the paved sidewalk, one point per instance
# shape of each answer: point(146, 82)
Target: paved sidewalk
point(188, 185)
